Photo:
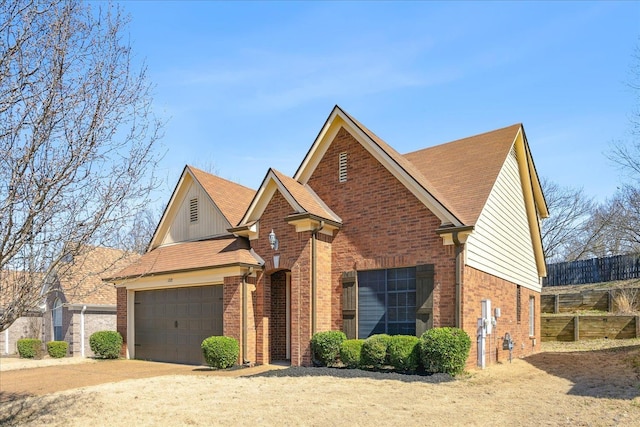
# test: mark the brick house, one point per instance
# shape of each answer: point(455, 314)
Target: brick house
point(77, 302)
point(361, 239)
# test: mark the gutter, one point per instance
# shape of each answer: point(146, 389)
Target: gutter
point(314, 274)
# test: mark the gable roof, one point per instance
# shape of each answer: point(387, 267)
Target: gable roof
point(229, 198)
point(466, 169)
point(302, 198)
point(81, 278)
point(453, 180)
point(189, 256)
point(395, 163)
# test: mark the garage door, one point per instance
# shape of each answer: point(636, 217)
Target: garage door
point(170, 324)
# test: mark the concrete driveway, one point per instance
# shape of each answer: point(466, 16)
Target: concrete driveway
point(20, 383)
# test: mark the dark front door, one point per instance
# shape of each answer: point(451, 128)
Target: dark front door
point(170, 324)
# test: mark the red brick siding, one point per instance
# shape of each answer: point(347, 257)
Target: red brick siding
point(384, 226)
point(121, 322)
point(295, 255)
point(232, 306)
point(278, 327)
point(478, 286)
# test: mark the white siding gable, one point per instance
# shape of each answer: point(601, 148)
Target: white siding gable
point(501, 242)
point(210, 221)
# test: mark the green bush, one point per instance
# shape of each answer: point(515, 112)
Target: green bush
point(375, 351)
point(445, 350)
point(325, 346)
point(404, 353)
point(57, 349)
point(30, 348)
point(220, 352)
point(106, 344)
point(350, 352)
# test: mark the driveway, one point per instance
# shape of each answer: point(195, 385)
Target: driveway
point(44, 380)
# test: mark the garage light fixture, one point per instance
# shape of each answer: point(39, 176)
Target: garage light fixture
point(273, 240)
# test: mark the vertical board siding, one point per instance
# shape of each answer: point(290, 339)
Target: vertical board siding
point(501, 242)
point(210, 222)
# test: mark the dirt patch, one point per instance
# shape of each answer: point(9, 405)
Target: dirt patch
point(578, 386)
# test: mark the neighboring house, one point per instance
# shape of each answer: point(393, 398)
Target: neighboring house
point(29, 325)
point(77, 302)
point(360, 239)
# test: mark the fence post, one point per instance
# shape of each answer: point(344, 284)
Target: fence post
point(576, 328)
point(637, 326)
point(556, 303)
point(610, 301)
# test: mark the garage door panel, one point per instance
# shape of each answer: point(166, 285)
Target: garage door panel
point(170, 324)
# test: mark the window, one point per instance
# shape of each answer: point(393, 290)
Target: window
point(532, 316)
point(57, 320)
point(387, 302)
point(342, 167)
point(193, 210)
point(518, 305)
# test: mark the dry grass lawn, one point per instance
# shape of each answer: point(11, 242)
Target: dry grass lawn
point(586, 384)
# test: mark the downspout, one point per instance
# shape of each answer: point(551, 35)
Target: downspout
point(458, 253)
point(84, 307)
point(314, 279)
point(245, 327)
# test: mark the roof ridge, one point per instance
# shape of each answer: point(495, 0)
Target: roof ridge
point(478, 135)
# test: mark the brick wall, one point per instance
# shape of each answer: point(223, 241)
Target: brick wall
point(278, 326)
point(295, 255)
point(29, 326)
point(384, 226)
point(94, 321)
point(503, 294)
point(232, 306)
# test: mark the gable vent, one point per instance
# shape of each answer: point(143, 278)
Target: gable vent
point(193, 210)
point(342, 167)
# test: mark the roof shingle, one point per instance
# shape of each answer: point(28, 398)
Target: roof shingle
point(231, 198)
point(190, 256)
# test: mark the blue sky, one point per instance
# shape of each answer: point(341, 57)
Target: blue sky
point(247, 85)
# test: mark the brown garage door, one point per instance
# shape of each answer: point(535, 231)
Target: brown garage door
point(170, 324)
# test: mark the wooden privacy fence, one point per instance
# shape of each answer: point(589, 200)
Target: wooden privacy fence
point(595, 270)
point(574, 328)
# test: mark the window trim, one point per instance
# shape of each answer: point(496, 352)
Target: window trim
point(362, 284)
point(532, 316)
point(56, 320)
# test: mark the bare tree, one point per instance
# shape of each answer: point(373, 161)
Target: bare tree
point(570, 210)
point(77, 139)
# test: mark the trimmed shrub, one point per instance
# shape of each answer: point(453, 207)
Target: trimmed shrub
point(445, 350)
point(220, 352)
point(325, 346)
point(350, 353)
point(404, 353)
point(57, 349)
point(375, 351)
point(30, 348)
point(106, 344)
